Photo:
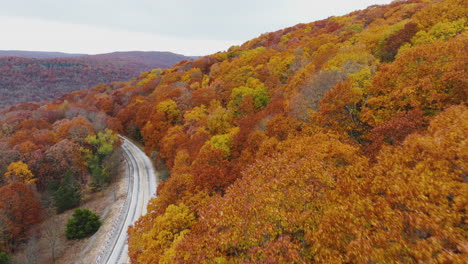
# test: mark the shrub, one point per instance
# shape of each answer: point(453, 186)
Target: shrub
point(4, 258)
point(83, 223)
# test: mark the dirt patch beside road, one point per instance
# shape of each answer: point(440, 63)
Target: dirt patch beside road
point(105, 203)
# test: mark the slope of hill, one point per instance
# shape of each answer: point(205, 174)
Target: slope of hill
point(337, 141)
point(32, 80)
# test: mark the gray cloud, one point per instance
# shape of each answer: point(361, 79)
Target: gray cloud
point(202, 19)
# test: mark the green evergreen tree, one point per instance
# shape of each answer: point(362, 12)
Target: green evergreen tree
point(83, 223)
point(68, 194)
point(4, 258)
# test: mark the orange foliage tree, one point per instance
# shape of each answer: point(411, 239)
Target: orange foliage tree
point(427, 77)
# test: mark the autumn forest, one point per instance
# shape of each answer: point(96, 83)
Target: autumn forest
point(338, 141)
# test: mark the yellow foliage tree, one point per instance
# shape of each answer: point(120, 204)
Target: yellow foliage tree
point(164, 233)
point(19, 171)
point(223, 141)
point(170, 110)
point(195, 115)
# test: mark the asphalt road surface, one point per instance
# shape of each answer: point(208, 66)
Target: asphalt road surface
point(142, 185)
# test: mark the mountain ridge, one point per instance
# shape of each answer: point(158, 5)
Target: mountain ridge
point(54, 54)
point(37, 54)
point(25, 79)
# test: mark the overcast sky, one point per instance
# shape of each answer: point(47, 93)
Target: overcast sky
point(189, 27)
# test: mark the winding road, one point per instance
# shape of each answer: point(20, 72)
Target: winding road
point(141, 188)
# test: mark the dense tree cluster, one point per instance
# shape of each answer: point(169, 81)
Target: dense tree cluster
point(49, 156)
point(337, 141)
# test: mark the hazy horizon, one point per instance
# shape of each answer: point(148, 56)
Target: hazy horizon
point(180, 26)
point(84, 54)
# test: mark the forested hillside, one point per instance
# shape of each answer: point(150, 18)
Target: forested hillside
point(339, 141)
point(24, 79)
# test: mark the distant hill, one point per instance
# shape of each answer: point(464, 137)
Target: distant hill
point(150, 58)
point(36, 54)
point(28, 76)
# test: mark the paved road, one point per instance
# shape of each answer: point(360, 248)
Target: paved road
point(142, 185)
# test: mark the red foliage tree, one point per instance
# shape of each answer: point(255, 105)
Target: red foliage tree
point(211, 170)
point(20, 210)
point(390, 47)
